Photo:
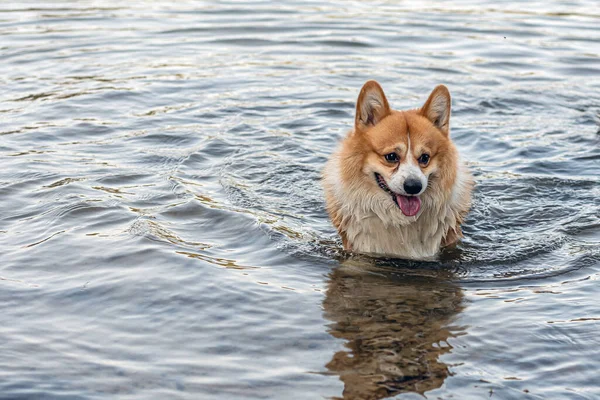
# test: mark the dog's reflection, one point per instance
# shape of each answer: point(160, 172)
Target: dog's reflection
point(395, 327)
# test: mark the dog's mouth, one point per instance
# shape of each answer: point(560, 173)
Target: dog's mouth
point(409, 205)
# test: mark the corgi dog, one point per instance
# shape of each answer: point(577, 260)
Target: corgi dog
point(396, 185)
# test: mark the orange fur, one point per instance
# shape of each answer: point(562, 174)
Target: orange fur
point(370, 219)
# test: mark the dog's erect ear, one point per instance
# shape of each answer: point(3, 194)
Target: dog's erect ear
point(371, 106)
point(437, 108)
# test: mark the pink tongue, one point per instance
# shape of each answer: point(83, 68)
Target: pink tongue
point(410, 205)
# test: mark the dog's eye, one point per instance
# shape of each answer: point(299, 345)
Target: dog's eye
point(392, 158)
point(424, 159)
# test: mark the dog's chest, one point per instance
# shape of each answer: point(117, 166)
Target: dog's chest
point(420, 239)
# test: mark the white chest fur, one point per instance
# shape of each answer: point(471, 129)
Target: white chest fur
point(417, 240)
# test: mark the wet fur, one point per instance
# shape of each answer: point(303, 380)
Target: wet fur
point(365, 216)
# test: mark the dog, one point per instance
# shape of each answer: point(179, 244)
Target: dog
point(396, 185)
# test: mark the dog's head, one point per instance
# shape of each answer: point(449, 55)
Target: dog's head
point(405, 154)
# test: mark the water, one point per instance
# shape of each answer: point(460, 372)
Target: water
point(163, 232)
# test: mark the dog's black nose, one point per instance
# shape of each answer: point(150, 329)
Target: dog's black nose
point(412, 186)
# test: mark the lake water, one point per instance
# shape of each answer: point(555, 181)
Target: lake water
point(163, 232)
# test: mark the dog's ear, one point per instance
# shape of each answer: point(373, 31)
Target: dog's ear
point(437, 108)
point(371, 106)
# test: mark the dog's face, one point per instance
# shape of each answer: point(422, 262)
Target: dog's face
point(404, 152)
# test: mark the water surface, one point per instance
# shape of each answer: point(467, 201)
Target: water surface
point(163, 232)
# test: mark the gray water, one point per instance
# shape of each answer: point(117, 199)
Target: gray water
point(163, 232)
